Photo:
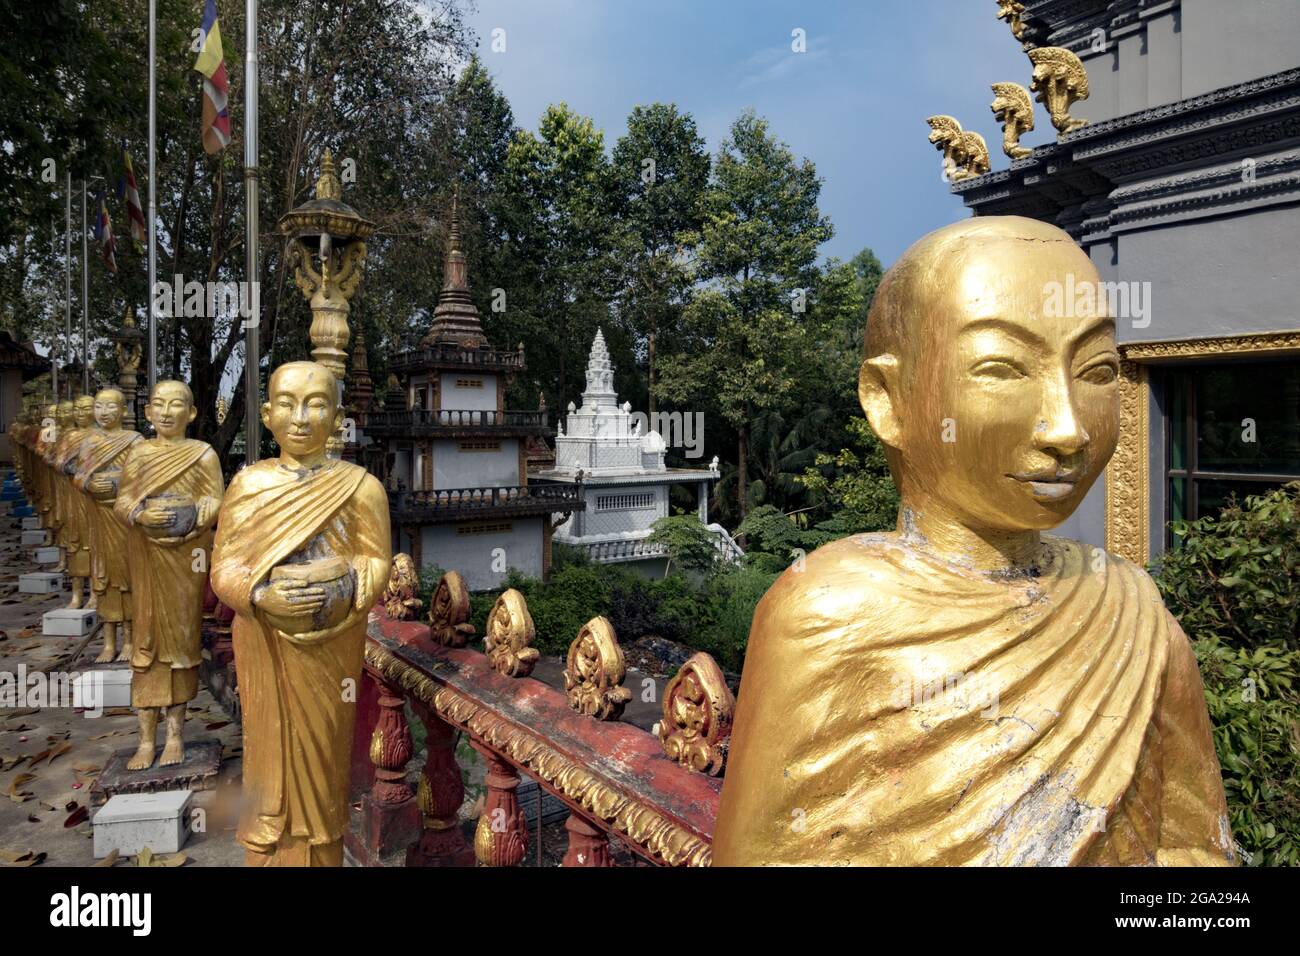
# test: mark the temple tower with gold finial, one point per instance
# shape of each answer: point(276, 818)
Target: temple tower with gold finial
point(453, 459)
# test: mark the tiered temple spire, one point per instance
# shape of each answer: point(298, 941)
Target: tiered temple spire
point(599, 393)
point(456, 319)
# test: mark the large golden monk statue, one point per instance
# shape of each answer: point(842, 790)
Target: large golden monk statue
point(168, 498)
point(303, 551)
point(98, 475)
point(967, 689)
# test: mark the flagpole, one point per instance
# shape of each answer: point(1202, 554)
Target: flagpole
point(152, 226)
point(67, 275)
point(252, 351)
point(85, 298)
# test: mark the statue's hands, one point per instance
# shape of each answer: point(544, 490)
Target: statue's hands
point(99, 485)
point(289, 599)
point(154, 518)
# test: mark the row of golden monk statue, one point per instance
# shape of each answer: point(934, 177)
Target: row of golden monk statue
point(1088, 740)
point(301, 553)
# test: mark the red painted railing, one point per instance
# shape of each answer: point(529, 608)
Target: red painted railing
point(657, 794)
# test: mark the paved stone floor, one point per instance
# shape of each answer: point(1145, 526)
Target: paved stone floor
point(50, 756)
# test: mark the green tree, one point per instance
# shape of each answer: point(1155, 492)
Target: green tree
point(659, 171)
point(755, 254)
point(561, 265)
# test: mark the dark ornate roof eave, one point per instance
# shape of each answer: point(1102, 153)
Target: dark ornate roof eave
point(1086, 166)
point(18, 355)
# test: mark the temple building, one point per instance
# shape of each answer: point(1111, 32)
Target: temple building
point(19, 363)
point(624, 479)
point(453, 459)
point(1184, 188)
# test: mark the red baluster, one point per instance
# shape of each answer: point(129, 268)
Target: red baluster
point(588, 846)
point(501, 838)
point(440, 795)
point(389, 816)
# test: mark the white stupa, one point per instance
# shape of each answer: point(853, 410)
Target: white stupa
point(622, 469)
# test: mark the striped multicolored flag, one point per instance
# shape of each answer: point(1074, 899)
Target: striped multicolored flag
point(212, 64)
point(127, 192)
point(104, 234)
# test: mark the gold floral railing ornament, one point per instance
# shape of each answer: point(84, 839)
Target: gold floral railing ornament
point(510, 633)
point(449, 612)
point(401, 597)
point(698, 710)
point(594, 671)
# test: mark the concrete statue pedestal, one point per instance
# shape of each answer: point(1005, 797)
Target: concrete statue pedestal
point(40, 582)
point(69, 622)
point(129, 822)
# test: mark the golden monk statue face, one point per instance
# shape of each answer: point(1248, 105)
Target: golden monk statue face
point(83, 411)
point(66, 414)
point(110, 405)
point(302, 411)
point(999, 412)
point(170, 409)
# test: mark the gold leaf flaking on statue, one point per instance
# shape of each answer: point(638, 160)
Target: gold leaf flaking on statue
point(449, 612)
point(1060, 81)
point(594, 672)
point(510, 631)
point(965, 154)
point(401, 597)
point(698, 709)
point(1014, 109)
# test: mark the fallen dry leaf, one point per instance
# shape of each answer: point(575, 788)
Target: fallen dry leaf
point(78, 816)
point(59, 751)
point(110, 859)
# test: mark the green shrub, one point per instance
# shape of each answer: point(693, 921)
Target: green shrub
point(690, 544)
point(1234, 586)
point(729, 601)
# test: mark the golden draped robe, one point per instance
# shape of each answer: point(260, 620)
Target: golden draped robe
point(52, 517)
point(167, 578)
point(110, 574)
point(898, 710)
point(297, 720)
point(74, 505)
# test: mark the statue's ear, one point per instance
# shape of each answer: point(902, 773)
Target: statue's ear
point(194, 413)
point(878, 393)
point(266, 414)
point(338, 422)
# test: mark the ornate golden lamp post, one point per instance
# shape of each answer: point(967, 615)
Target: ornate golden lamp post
point(129, 350)
point(327, 250)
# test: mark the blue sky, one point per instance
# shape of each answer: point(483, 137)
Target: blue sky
point(855, 103)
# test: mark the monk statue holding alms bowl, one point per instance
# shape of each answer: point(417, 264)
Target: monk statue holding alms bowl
point(167, 497)
point(303, 551)
point(968, 689)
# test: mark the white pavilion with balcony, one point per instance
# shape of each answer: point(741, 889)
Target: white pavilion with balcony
point(624, 479)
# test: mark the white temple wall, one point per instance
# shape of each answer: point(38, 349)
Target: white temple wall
point(454, 467)
point(475, 548)
point(628, 509)
point(473, 391)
